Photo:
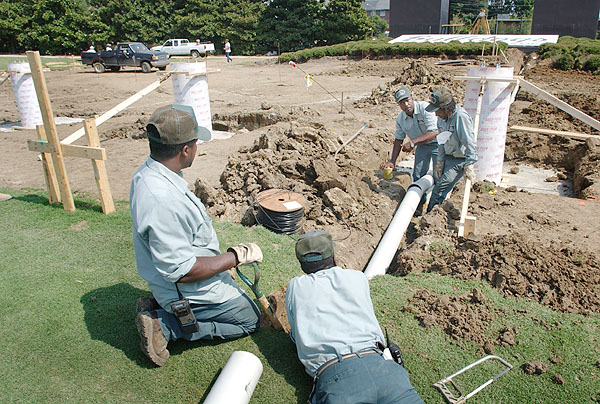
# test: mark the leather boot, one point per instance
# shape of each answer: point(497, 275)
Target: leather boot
point(152, 341)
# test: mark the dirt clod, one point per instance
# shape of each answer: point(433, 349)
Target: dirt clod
point(534, 368)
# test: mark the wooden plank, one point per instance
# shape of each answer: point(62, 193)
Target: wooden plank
point(467, 195)
point(100, 174)
point(41, 90)
point(574, 112)
point(474, 78)
point(470, 225)
point(69, 150)
point(114, 111)
point(49, 172)
point(574, 135)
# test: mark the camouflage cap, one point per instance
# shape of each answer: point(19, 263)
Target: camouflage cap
point(176, 124)
point(439, 99)
point(401, 94)
point(314, 246)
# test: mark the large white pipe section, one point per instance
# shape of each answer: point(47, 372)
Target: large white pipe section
point(383, 255)
point(237, 380)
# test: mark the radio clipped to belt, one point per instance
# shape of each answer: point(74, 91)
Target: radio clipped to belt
point(183, 311)
point(392, 351)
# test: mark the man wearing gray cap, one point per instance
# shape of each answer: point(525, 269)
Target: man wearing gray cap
point(457, 151)
point(337, 336)
point(420, 128)
point(177, 250)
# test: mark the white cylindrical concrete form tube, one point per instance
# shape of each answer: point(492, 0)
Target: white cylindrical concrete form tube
point(25, 95)
point(192, 89)
point(383, 255)
point(237, 380)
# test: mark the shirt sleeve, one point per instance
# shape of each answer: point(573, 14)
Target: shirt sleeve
point(170, 238)
point(399, 133)
point(430, 121)
point(464, 129)
point(289, 308)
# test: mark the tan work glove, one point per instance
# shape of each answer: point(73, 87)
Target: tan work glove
point(247, 253)
point(470, 172)
point(439, 168)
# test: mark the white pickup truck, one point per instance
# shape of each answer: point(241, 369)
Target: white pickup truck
point(183, 47)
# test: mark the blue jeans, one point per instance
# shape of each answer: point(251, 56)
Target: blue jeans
point(454, 169)
point(368, 379)
point(232, 319)
point(227, 56)
point(424, 153)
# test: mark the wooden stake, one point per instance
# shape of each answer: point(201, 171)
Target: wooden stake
point(465, 204)
point(41, 90)
point(91, 132)
point(49, 172)
point(546, 96)
point(573, 135)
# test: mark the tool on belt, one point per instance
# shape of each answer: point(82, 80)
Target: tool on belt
point(262, 300)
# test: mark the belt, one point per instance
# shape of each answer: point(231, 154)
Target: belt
point(362, 352)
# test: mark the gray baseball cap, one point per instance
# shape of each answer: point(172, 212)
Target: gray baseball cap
point(439, 99)
point(176, 124)
point(401, 94)
point(314, 246)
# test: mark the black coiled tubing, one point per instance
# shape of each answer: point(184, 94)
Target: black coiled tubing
point(279, 222)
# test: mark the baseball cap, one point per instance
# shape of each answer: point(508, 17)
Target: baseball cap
point(439, 99)
point(176, 124)
point(314, 246)
point(401, 94)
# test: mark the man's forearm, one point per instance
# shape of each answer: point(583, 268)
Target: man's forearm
point(207, 267)
point(396, 150)
point(425, 137)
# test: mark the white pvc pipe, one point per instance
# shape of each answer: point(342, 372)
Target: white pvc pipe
point(383, 255)
point(192, 89)
point(237, 380)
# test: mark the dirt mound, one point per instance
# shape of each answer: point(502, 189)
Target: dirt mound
point(560, 277)
point(464, 317)
point(421, 76)
point(341, 194)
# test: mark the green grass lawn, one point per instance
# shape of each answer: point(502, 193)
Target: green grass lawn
point(51, 62)
point(68, 286)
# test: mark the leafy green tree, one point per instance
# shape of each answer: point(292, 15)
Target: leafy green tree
point(14, 15)
point(343, 21)
point(59, 26)
point(147, 21)
point(217, 20)
point(518, 8)
point(289, 24)
point(380, 24)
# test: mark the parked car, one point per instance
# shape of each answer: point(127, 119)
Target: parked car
point(183, 47)
point(126, 54)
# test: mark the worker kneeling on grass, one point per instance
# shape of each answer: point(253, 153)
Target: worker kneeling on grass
point(176, 247)
point(337, 336)
point(457, 152)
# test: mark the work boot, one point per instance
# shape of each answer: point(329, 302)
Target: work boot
point(152, 340)
point(146, 304)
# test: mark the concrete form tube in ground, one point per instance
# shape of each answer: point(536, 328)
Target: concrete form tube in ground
point(383, 255)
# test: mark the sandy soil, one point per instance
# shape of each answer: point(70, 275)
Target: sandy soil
point(540, 247)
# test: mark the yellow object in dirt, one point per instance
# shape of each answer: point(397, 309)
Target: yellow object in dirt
point(492, 192)
point(387, 173)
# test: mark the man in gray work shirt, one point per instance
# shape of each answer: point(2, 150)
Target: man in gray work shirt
point(457, 151)
point(420, 128)
point(337, 336)
point(177, 250)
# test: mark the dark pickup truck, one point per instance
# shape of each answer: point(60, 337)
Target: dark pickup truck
point(126, 54)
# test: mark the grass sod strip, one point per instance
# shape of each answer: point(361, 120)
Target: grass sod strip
point(68, 286)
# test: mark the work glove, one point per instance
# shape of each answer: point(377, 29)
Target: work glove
point(439, 169)
point(470, 172)
point(246, 253)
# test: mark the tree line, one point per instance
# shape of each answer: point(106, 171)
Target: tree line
point(252, 26)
